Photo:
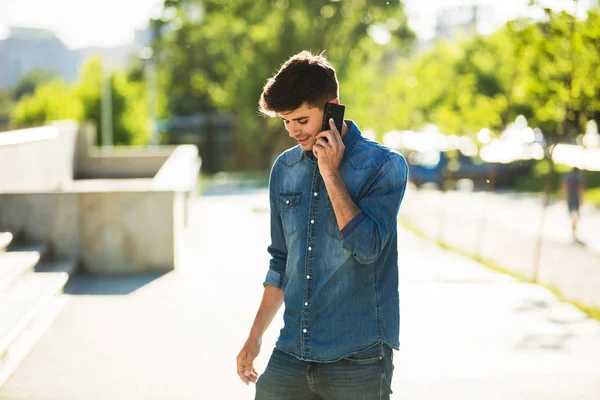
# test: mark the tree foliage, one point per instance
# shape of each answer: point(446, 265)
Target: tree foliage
point(50, 102)
point(222, 60)
point(548, 71)
point(56, 100)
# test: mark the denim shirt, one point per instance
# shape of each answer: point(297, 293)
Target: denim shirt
point(340, 287)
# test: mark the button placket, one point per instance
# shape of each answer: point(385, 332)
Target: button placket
point(311, 233)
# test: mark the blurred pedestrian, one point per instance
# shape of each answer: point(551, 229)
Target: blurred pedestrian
point(334, 201)
point(573, 188)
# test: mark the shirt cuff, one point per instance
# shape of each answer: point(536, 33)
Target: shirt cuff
point(351, 226)
point(273, 279)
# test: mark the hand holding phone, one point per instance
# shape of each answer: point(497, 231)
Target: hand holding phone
point(335, 111)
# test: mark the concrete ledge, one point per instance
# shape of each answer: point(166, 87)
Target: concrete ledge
point(130, 224)
point(30, 135)
point(121, 162)
point(38, 158)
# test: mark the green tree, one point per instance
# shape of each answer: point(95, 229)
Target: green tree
point(50, 102)
point(130, 113)
point(56, 100)
point(6, 106)
point(222, 61)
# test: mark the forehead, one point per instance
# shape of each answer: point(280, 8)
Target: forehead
point(303, 111)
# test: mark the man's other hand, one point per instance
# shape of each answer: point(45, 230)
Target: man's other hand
point(245, 360)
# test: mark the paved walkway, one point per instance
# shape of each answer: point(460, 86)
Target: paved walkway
point(504, 228)
point(467, 333)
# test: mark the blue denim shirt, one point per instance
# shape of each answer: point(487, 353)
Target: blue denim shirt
point(341, 287)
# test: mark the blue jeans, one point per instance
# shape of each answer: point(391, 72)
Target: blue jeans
point(363, 376)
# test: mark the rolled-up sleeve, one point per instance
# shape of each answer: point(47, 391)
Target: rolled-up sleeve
point(367, 234)
point(278, 248)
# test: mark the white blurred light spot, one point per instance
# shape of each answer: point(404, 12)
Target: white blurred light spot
point(380, 34)
point(469, 149)
point(411, 82)
point(169, 13)
point(484, 136)
point(392, 24)
point(327, 11)
point(146, 53)
point(537, 151)
point(369, 134)
point(465, 185)
point(528, 135)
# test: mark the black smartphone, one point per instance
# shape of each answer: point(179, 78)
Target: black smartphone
point(335, 111)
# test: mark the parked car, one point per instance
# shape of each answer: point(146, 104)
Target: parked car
point(436, 166)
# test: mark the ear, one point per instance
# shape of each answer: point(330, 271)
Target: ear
point(334, 101)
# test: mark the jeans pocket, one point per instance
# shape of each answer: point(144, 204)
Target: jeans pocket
point(369, 356)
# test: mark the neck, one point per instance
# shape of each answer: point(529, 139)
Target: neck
point(345, 130)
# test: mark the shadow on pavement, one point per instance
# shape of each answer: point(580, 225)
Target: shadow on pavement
point(121, 284)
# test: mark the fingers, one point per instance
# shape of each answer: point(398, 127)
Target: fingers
point(253, 377)
point(248, 368)
point(317, 148)
point(330, 136)
point(245, 368)
point(241, 361)
point(336, 134)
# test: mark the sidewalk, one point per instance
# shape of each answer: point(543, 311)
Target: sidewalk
point(504, 228)
point(467, 333)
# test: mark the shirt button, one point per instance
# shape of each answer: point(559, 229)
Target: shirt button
point(306, 303)
point(304, 330)
point(310, 249)
point(312, 221)
point(316, 194)
point(307, 276)
point(287, 202)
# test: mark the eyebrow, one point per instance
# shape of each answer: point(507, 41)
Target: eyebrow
point(295, 119)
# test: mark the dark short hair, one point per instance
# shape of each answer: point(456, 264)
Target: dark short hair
point(304, 78)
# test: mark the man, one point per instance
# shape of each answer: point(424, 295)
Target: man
point(334, 202)
point(573, 189)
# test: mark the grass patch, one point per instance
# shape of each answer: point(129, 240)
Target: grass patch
point(592, 196)
point(590, 311)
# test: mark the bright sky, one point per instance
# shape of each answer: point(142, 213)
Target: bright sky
point(81, 23)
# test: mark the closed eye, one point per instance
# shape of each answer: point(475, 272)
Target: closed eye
point(300, 121)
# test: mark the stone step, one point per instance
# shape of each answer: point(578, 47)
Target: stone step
point(19, 260)
point(29, 306)
point(5, 240)
point(16, 264)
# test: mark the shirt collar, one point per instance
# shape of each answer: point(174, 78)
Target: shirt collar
point(349, 140)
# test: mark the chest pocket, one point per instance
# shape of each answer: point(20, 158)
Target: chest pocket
point(289, 205)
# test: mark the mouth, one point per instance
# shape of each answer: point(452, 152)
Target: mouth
point(302, 142)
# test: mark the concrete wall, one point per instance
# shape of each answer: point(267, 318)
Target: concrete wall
point(108, 231)
point(121, 163)
point(38, 158)
point(493, 228)
point(109, 225)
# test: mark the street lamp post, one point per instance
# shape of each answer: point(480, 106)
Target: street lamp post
point(106, 110)
point(147, 54)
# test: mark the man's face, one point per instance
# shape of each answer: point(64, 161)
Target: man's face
point(303, 124)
